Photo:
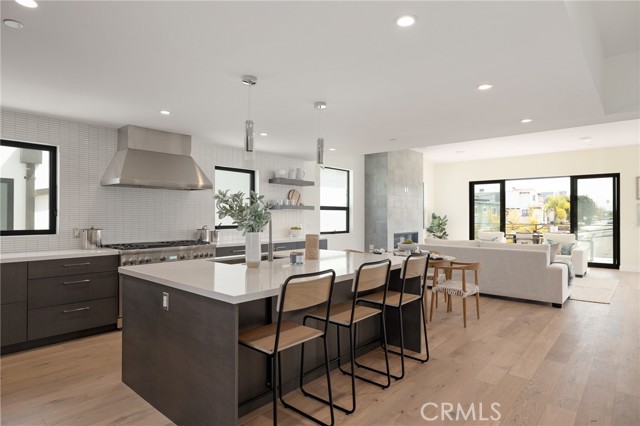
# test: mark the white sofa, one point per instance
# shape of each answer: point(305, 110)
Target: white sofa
point(579, 256)
point(511, 270)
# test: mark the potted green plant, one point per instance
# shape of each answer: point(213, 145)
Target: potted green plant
point(251, 215)
point(296, 231)
point(438, 226)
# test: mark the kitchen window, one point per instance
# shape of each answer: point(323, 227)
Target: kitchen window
point(232, 180)
point(334, 201)
point(28, 183)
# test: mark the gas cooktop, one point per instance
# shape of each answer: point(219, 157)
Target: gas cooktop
point(155, 244)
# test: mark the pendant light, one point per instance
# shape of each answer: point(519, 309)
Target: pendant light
point(320, 143)
point(249, 80)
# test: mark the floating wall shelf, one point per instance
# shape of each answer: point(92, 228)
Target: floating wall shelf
point(295, 182)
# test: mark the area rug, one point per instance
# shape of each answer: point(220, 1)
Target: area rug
point(593, 290)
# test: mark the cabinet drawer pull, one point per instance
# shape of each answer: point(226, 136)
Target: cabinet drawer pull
point(280, 247)
point(86, 308)
point(237, 251)
point(67, 265)
point(76, 282)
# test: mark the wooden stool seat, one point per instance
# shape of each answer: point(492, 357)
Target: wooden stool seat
point(393, 298)
point(341, 313)
point(263, 339)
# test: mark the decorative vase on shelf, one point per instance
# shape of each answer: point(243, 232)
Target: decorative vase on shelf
point(252, 251)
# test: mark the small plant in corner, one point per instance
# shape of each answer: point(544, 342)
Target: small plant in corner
point(438, 226)
point(407, 241)
point(296, 228)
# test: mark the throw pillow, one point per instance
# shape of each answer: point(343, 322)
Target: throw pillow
point(553, 250)
point(487, 240)
point(556, 244)
point(565, 249)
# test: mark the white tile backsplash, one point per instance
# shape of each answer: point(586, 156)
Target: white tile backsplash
point(133, 214)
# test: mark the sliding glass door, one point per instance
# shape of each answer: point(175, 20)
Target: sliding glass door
point(488, 201)
point(587, 206)
point(596, 217)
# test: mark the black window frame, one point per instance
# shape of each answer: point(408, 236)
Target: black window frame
point(346, 209)
point(252, 185)
point(573, 182)
point(53, 187)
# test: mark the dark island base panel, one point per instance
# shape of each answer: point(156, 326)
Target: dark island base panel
point(9, 349)
point(185, 361)
point(182, 361)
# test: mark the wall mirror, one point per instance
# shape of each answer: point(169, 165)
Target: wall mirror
point(233, 180)
point(27, 188)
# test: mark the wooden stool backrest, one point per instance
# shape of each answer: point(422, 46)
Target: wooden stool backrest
point(416, 266)
point(305, 290)
point(371, 275)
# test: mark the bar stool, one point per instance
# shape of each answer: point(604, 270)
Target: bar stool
point(369, 276)
point(298, 292)
point(415, 266)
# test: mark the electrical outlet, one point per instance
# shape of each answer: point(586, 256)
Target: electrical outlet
point(76, 233)
point(165, 301)
point(371, 247)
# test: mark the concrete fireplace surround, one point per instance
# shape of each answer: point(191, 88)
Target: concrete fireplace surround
point(393, 196)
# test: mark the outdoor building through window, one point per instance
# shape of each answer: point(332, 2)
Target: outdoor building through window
point(334, 201)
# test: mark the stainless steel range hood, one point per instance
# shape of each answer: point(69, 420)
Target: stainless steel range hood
point(154, 159)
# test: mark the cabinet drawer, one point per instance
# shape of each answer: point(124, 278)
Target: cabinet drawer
point(230, 251)
point(13, 317)
point(74, 266)
point(13, 284)
point(72, 288)
point(45, 322)
point(322, 244)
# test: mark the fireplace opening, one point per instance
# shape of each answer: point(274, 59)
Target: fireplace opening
point(401, 236)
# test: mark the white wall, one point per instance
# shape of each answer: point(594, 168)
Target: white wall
point(137, 214)
point(355, 238)
point(452, 187)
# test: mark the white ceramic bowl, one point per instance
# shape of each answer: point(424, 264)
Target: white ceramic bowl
point(407, 247)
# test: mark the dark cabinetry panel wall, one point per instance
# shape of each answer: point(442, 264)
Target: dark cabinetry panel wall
point(13, 297)
point(290, 245)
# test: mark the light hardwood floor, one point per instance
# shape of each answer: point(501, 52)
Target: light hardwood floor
point(544, 366)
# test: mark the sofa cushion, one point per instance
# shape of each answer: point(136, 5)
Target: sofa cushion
point(459, 243)
point(564, 249)
point(553, 251)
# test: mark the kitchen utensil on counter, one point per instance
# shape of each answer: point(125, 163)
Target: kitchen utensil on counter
point(91, 238)
point(299, 173)
point(312, 246)
point(294, 196)
point(204, 234)
point(296, 258)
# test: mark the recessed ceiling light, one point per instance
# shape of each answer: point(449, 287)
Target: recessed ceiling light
point(585, 139)
point(485, 86)
point(165, 112)
point(263, 134)
point(11, 23)
point(406, 21)
point(27, 3)
point(332, 149)
point(459, 152)
point(526, 120)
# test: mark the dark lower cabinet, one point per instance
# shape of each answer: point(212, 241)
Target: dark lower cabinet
point(13, 300)
point(14, 323)
point(55, 300)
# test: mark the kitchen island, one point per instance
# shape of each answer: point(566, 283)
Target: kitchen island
point(180, 347)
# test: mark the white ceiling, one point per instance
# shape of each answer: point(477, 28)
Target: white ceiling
point(117, 63)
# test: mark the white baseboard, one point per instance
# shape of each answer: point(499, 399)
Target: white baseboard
point(630, 268)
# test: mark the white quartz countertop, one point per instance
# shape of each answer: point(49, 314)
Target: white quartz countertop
point(264, 240)
point(26, 256)
point(238, 284)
